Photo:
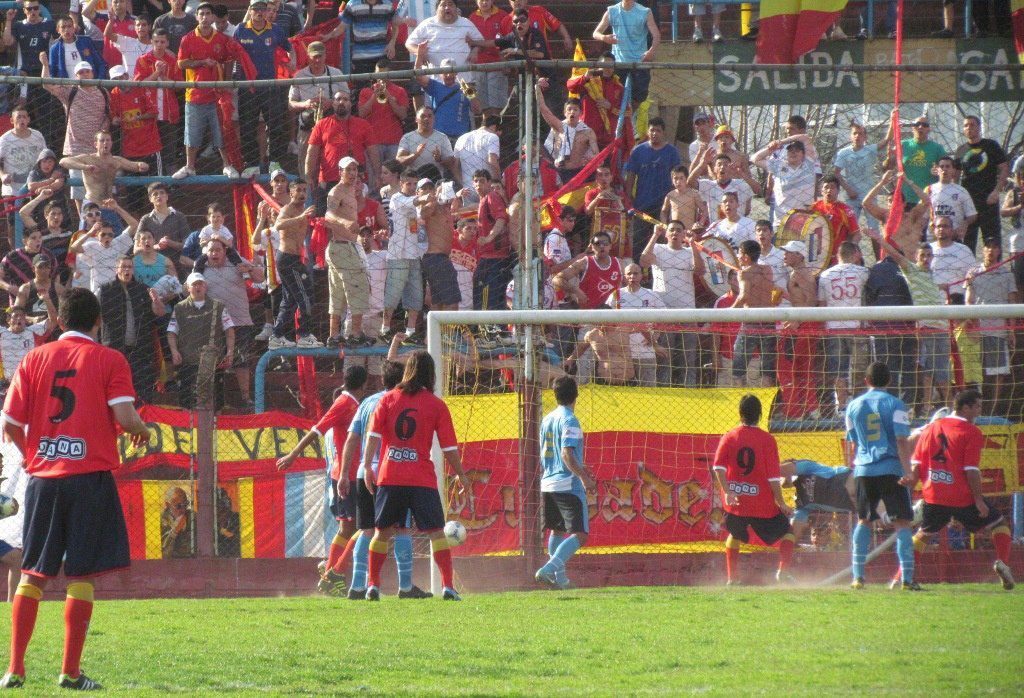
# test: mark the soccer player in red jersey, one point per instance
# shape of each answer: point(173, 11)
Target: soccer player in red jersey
point(747, 472)
point(336, 420)
point(403, 427)
point(946, 459)
point(62, 412)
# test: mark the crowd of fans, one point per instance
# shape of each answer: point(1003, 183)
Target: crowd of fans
point(390, 198)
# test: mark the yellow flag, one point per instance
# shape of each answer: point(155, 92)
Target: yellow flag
point(578, 55)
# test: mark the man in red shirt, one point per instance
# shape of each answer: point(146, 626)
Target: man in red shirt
point(946, 458)
point(491, 85)
point(593, 277)
point(386, 116)
point(333, 138)
point(205, 55)
point(336, 422)
point(747, 473)
point(842, 218)
point(160, 63)
point(403, 428)
point(540, 20)
point(62, 412)
point(133, 109)
point(601, 94)
point(494, 250)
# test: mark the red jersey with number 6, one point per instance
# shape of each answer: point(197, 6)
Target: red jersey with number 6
point(750, 458)
point(63, 393)
point(406, 425)
point(946, 448)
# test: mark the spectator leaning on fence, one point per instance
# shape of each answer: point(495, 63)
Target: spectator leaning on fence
point(198, 322)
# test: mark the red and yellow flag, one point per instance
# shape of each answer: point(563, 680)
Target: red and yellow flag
point(1017, 10)
point(790, 28)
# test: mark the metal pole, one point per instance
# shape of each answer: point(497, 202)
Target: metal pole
point(206, 529)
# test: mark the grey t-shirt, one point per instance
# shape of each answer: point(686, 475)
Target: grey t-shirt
point(176, 27)
point(227, 285)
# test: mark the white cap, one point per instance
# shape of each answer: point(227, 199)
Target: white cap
point(425, 182)
point(117, 71)
point(82, 65)
point(346, 161)
point(194, 277)
point(278, 173)
point(447, 63)
point(796, 246)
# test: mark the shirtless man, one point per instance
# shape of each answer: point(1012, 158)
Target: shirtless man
point(100, 168)
point(347, 280)
point(683, 203)
point(610, 345)
point(913, 222)
point(797, 372)
point(296, 285)
point(436, 263)
point(756, 283)
point(571, 142)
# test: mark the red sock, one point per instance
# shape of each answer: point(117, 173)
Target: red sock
point(443, 558)
point(732, 563)
point(785, 553)
point(1001, 541)
point(343, 559)
point(77, 612)
point(378, 554)
point(337, 550)
point(23, 622)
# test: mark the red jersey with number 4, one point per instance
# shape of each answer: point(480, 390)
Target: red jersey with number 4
point(945, 449)
point(597, 283)
point(63, 393)
point(338, 417)
point(750, 458)
point(406, 425)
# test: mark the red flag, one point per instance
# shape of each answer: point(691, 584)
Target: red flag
point(892, 223)
point(316, 33)
point(790, 28)
point(1017, 10)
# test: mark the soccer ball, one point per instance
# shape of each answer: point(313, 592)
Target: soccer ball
point(918, 513)
point(455, 532)
point(9, 507)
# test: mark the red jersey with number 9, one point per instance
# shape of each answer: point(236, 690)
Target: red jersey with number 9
point(406, 425)
point(750, 458)
point(63, 393)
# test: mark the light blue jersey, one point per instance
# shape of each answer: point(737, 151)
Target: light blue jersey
point(874, 421)
point(360, 427)
point(560, 429)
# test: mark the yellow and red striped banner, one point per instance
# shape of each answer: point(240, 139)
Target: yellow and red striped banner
point(790, 28)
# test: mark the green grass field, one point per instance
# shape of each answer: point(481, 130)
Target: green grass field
point(952, 640)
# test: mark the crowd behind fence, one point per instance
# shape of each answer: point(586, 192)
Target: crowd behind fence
point(359, 203)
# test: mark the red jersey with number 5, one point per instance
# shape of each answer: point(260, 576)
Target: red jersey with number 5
point(750, 458)
point(338, 418)
point(406, 425)
point(63, 393)
point(945, 449)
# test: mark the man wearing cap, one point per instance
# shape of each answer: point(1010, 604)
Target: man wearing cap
point(600, 93)
point(453, 110)
point(920, 154)
point(87, 112)
point(261, 40)
point(42, 290)
point(335, 137)
point(203, 55)
point(349, 289)
point(128, 313)
point(728, 170)
point(313, 102)
point(198, 322)
point(427, 147)
point(799, 345)
point(704, 130)
point(436, 263)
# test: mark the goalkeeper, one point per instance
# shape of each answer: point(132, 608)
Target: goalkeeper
point(818, 488)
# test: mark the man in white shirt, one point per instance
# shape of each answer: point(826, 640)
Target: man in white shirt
point(643, 343)
point(131, 47)
point(951, 200)
point(19, 338)
point(445, 35)
point(793, 176)
point(711, 190)
point(478, 149)
point(735, 228)
point(674, 265)
point(951, 261)
point(841, 286)
point(773, 257)
point(19, 150)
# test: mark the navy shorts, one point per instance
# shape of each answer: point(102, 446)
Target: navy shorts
point(886, 489)
point(394, 503)
point(439, 273)
point(769, 529)
point(5, 548)
point(937, 516)
point(343, 508)
point(366, 514)
point(565, 512)
point(77, 521)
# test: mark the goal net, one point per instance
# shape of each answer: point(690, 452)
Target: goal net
point(658, 388)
